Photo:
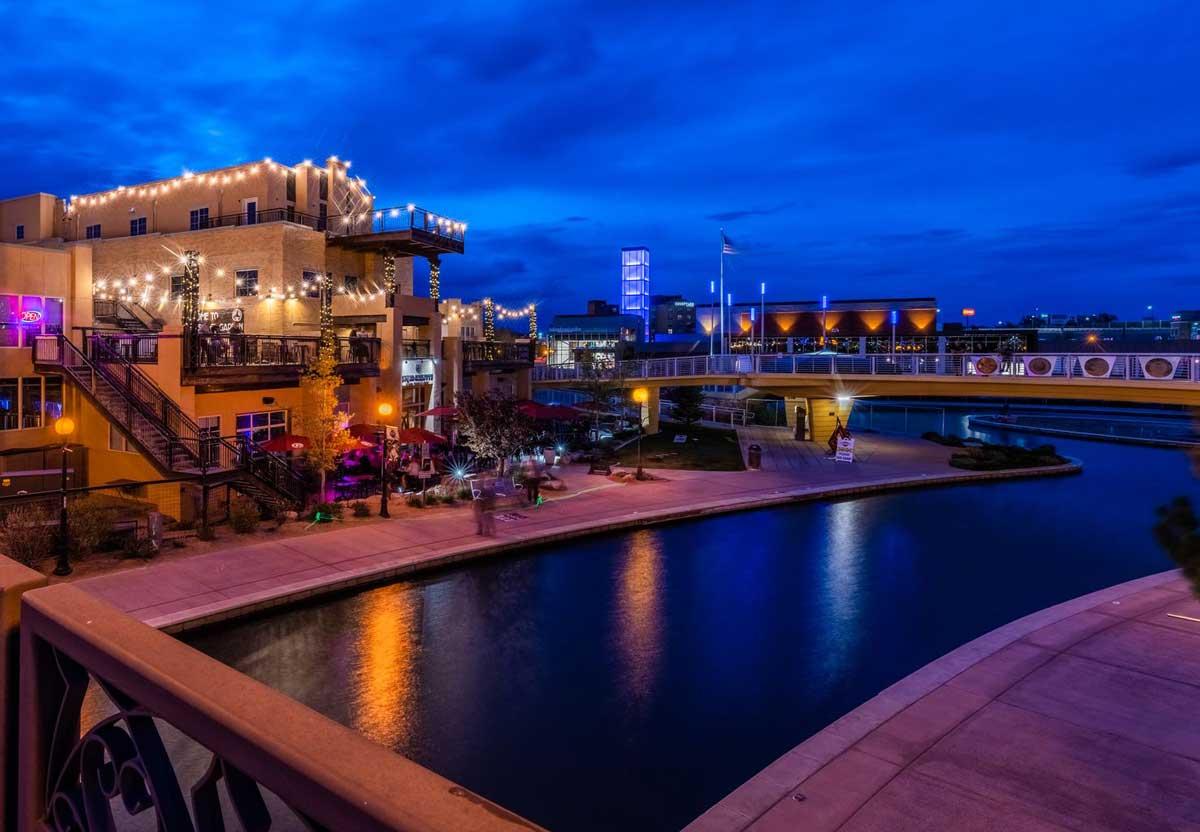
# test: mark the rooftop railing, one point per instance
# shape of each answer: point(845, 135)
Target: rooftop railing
point(503, 352)
point(407, 218)
point(241, 350)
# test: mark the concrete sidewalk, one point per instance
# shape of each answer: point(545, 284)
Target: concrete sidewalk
point(1080, 716)
point(220, 584)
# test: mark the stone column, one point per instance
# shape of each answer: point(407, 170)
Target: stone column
point(435, 278)
point(389, 280)
point(190, 308)
point(15, 580)
point(650, 411)
point(327, 341)
point(489, 319)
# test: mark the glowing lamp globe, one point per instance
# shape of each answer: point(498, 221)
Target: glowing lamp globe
point(385, 409)
point(64, 426)
point(641, 395)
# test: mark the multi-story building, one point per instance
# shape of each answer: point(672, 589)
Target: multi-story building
point(173, 318)
point(635, 285)
point(672, 315)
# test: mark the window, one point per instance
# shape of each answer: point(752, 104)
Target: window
point(291, 186)
point(246, 283)
point(350, 283)
point(10, 321)
point(54, 398)
point(324, 186)
point(198, 219)
point(32, 312)
point(20, 232)
point(52, 317)
point(250, 209)
point(31, 402)
point(9, 419)
point(137, 227)
point(261, 426)
point(324, 216)
point(93, 232)
point(176, 286)
point(311, 284)
point(116, 439)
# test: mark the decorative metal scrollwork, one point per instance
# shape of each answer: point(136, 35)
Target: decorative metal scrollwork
point(123, 756)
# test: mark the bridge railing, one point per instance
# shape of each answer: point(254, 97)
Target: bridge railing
point(1116, 367)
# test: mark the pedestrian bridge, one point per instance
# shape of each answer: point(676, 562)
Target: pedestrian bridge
point(1150, 378)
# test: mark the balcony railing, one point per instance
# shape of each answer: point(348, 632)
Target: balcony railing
point(413, 349)
point(260, 217)
point(497, 352)
point(72, 767)
point(134, 348)
point(280, 350)
point(408, 218)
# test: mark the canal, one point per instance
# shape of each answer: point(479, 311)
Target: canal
point(629, 681)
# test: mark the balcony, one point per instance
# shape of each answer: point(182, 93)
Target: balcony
point(483, 356)
point(409, 230)
point(260, 217)
point(409, 348)
point(228, 362)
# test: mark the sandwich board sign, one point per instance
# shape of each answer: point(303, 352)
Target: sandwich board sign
point(845, 450)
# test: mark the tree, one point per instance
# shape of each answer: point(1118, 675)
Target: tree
point(323, 424)
point(1178, 532)
point(601, 377)
point(493, 426)
point(687, 402)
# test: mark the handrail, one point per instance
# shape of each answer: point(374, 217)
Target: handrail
point(1144, 367)
point(406, 218)
point(328, 775)
point(161, 414)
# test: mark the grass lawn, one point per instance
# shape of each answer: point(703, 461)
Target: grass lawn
point(707, 449)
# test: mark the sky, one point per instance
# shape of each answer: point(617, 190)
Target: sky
point(1006, 156)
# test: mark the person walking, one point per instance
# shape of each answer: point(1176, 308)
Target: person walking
point(487, 510)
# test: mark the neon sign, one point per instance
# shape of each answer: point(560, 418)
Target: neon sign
point(31, 316)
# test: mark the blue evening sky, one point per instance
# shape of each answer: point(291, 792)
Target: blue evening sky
point(1003, 155)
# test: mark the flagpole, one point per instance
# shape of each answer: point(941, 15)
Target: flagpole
point(712, 307)
point(722, 291)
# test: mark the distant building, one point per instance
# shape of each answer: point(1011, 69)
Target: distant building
point(635, 285)
point(604, 337)
point(672, 315)
point(1185, 325)
point(602, 307)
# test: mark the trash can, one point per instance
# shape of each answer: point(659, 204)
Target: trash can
point(754, 456)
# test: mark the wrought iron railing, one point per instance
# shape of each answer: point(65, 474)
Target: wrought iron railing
point(128, 314)
point(156, 422)
point(133, 347)
point(1118, 368)
point(506, 352)
point(73, 773)
point(240, 350)
point(408, 218)
point(259, 217)
point(409, 348)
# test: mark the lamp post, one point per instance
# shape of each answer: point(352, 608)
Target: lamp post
point(762, 316)
point(824, 311)
point(895, 316)
point(385, 410)
point(640, 395)
point(64, 426)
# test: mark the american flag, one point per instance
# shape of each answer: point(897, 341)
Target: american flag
point(727, 246)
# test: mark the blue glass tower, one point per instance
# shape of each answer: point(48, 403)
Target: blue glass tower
point(635, 285)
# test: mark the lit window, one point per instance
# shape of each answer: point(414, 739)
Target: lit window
point(246, 283)
point(262, 426)
point(311, 284)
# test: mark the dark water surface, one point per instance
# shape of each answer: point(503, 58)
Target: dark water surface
point(630, 681)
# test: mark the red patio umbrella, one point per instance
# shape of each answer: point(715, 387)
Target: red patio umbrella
point(286, 442)
point(413, 436)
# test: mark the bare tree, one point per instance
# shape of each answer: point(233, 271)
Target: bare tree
point(493, 426)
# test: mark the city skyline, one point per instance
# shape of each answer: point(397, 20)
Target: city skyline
point(845, 153)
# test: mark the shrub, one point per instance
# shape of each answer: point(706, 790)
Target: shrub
point(90, 524)
point(415, 501)
point(327, 511)
point(448, 498)
point(138, 548)
point(26, 534)
point(949, 441)
point(464, 493)
point(244, 515)
point(360, 509)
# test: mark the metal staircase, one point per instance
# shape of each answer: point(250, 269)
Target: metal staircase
point(155, 424)
point(128, 316)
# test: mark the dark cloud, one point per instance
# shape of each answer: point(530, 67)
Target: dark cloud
point(944, 148)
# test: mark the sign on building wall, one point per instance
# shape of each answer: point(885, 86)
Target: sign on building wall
point(416, 371)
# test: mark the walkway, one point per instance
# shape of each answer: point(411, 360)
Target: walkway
point(221, 584)
point(1081, 716)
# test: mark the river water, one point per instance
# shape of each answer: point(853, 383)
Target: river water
point(629, 681)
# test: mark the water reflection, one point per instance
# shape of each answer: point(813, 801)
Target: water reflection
point(387, 688)
point(637, 614)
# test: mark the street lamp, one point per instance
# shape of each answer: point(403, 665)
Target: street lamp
point(640, 395)
point(384, 410)
point(64, 426)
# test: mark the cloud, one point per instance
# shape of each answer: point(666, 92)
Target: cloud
point(729, 216)
point(1166, 163)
